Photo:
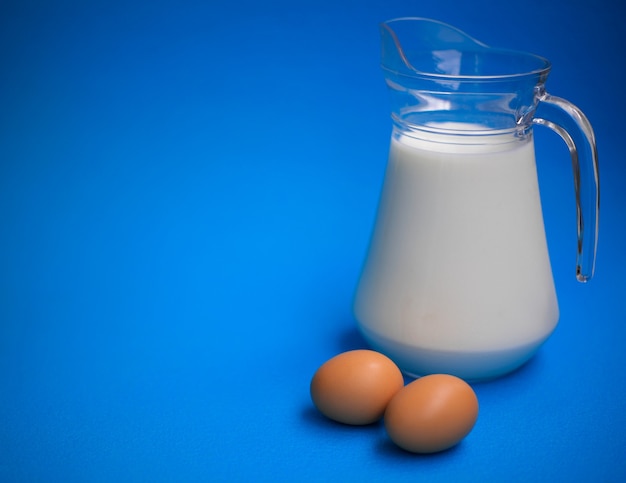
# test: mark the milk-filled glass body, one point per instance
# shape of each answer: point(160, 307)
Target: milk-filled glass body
point(457, 277)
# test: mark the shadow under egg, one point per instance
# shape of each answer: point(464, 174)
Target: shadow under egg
point(386, 448)
point(313, 418)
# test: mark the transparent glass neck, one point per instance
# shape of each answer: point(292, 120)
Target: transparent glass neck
point(438, 74)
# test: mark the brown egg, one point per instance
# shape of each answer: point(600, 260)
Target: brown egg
point(431, 414)
point(354, 387)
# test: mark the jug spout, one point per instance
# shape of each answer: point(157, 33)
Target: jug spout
point(415, 45)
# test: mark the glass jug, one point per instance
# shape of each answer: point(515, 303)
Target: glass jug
point(457, 277)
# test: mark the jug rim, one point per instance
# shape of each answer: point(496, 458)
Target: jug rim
point(542, 68)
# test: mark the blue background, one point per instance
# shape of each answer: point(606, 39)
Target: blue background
point(187, 191)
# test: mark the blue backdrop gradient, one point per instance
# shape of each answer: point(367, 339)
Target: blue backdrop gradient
point(187, 191)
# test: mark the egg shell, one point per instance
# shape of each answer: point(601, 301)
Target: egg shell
point(355, 387)
point(431, 414)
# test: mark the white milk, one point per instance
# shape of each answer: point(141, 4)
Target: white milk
point(458, 278)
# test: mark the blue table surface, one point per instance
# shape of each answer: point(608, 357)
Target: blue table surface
point(187, 191)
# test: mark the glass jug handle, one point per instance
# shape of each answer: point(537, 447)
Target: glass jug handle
point(574, 128)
